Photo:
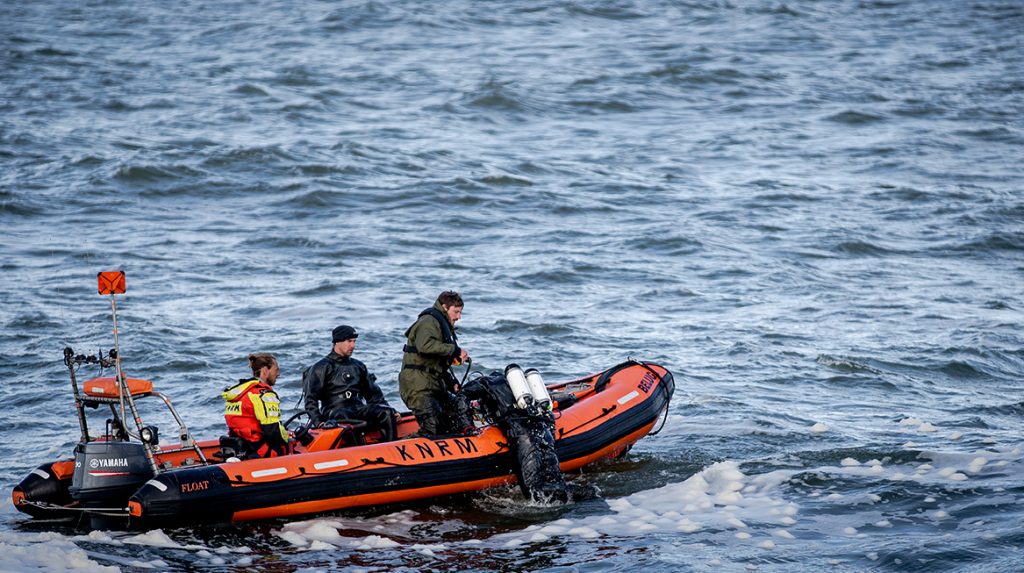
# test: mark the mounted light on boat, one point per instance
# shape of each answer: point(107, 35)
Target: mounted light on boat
point(149, 435)
point(520, 387)
point(538, 389)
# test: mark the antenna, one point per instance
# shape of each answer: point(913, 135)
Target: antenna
point(113, 283)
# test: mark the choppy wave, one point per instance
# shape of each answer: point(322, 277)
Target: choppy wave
point(810, 213)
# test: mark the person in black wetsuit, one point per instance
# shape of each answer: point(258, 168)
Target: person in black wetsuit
point(339, 387)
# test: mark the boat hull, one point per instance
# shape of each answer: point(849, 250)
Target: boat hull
point(608, 413)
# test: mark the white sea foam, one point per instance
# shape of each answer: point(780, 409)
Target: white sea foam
point(429, 549)
point(293, 537)
point(154, 538)
point(956, 471)
point(720, 497)
point(101, 537)
point(919, 425)
point(376, 542)
point(217, 556)
point(976, 464)
point(45, 552)
point(318, 545)
point(323, 534)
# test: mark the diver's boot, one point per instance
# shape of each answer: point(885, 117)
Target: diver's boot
point(388, 426)
point(429, 425)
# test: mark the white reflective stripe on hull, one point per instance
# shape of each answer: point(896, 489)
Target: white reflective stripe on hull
point(158, 485)
point(332, 464)
point(270, 472)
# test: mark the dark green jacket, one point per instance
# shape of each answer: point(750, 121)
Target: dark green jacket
point(424, 369)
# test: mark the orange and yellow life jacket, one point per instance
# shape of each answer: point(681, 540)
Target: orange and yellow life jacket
point(248, 407)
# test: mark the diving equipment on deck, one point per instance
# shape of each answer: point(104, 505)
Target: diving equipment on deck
point(530, 431)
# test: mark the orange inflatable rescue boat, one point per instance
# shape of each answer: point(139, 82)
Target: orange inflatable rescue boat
point(528, 433)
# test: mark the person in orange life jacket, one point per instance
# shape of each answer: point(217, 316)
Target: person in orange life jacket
point(253, 410)
point(339, 387)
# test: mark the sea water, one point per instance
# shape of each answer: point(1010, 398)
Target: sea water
point(810, 212)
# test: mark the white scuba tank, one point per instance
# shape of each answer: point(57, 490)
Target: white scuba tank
point(520, 387)
point(538, 389)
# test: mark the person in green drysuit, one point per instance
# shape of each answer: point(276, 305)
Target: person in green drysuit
point(426, 383)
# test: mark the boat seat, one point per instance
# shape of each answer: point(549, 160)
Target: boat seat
point(335, 434)
point(231, 447)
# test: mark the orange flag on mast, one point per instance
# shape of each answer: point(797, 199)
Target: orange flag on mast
point(111, 282)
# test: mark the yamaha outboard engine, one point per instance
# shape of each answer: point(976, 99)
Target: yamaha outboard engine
point(108, 472)
point(529, 425)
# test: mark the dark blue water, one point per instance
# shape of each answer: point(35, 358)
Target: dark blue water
point(811, 212)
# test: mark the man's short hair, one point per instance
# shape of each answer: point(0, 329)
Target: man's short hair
point(450, 298)
point(260, 360)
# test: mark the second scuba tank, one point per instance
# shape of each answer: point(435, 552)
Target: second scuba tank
point(538, 389)
point(520, 387)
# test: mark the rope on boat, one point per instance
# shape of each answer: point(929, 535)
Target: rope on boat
point(303, 472)
point(664, 419)
point(100, 510)
point(663, 388)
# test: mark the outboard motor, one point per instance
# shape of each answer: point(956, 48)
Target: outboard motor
point(109, 468)
point(108, 472)
point(528, 423)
